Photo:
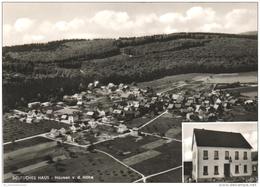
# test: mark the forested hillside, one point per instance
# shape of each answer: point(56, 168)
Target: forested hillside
point(48, 71)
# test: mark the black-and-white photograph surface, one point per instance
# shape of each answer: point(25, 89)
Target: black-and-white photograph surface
point(220, 152)
point(97, 92)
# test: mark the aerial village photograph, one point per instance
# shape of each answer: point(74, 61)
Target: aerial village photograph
point(129, 92)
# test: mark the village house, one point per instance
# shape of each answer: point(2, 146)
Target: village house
point(53, 133)
point(67, 115)
point(46, 104)
point(122, 128)
point(34, 104)
point(49, 113)
point(219, 154)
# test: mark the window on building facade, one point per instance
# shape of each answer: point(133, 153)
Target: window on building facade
point(215, 155)
point(216, 170)
point(226, 155)
point(245, 155)
point(205, 170)
point(245, 168)
point(236, 155)
point(237, 169)
point(205, 155)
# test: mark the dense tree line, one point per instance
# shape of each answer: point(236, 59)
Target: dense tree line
point(37, 46)
point(133, 41)
point(48, 71)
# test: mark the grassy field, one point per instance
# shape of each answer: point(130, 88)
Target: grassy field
point(165, 126)
point(170, 157)
point(244, 77)
point(238, 113)
point(137, 122)
point(141, 157)
point(14, 129)
point(98, 165)
point(174, 176)
point(250, 95)
point(25, 143)
point(128, 144)
point(250, 92)
point(197, 78)
point(167, 81)
point(31, 158)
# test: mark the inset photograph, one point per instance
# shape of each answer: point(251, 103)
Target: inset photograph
point(220, 152)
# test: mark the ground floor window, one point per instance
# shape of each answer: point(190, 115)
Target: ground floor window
point(216, 170)
point(237, 169)
point(205, 170)
point(245, 168)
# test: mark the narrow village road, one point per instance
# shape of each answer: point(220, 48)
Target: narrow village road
point(29, 137)
point(152, 120)
point(164, 137)
point(179, 86)
point(155, 174)
point(121, 163)
point(85, 146)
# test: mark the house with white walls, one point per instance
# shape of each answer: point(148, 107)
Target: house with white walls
point(219, 154)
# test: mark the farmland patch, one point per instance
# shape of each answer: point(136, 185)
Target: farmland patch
point(141, 157)
point(154, 144)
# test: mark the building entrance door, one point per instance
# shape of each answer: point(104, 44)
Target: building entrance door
point(227, 170)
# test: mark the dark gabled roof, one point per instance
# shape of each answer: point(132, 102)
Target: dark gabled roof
point(210, 138)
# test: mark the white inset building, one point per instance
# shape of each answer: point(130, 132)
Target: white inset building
point(219, 154)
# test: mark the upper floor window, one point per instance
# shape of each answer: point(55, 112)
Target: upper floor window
point(205, 155)
point(237, 169)
point(236, 155)
point(215, 155)
point(216, 170)
point(205, 170)
point(226, 155)
point(245, 155)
